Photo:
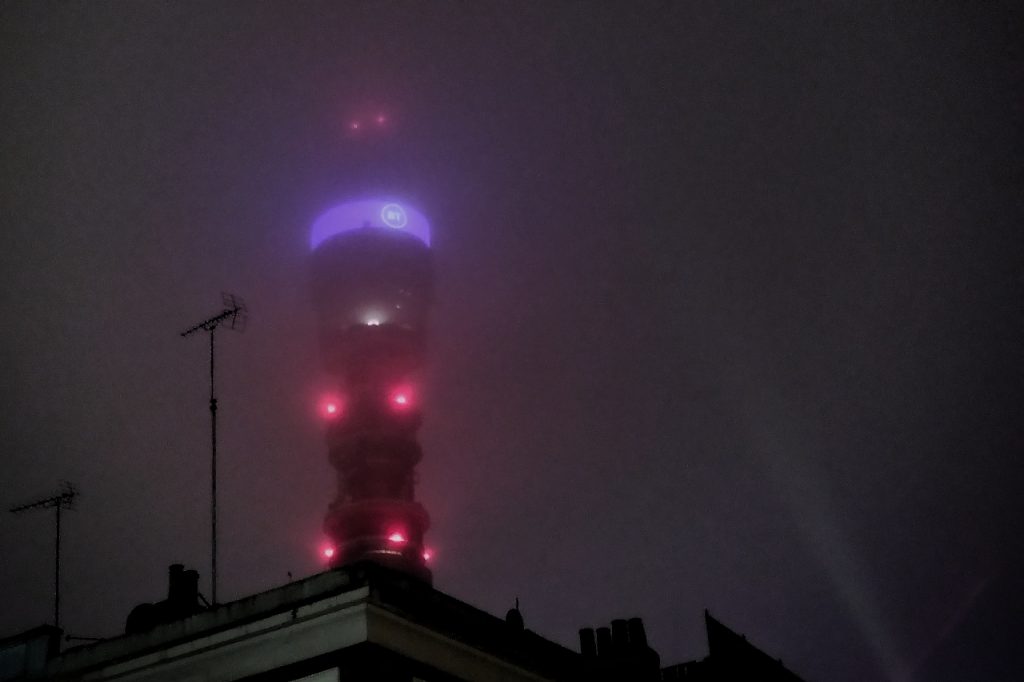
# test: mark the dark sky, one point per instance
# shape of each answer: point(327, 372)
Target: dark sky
point(729, 308)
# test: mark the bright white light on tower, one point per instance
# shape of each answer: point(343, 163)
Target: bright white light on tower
point(397, 537)
point(373, 321)
point(328, 552)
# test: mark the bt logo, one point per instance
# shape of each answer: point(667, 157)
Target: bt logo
point(393, 215)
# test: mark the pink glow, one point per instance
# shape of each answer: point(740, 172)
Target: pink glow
point(354, 125)
point(331, 407)
point(401, 398)
point(328, 552)
point(397, 537)
point(428, 554)
point(381, 119)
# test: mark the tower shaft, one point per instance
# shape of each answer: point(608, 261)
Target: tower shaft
point(371, 289)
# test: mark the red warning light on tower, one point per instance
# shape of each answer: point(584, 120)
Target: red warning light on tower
point(331, 407)
point(401, 398)
point(397, 538)
point(367, 124)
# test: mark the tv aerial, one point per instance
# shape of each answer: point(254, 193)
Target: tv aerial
point(63, 499)
point(233, 316)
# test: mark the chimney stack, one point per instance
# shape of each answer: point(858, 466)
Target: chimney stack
point(621, 653)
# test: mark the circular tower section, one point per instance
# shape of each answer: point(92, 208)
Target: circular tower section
point(372, 288)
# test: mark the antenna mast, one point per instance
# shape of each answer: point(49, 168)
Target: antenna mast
point(234, 314)
point(65, 499)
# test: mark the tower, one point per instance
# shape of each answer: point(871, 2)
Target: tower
point(371, 285)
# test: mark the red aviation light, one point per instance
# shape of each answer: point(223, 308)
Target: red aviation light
point(397, 537)
point(327, 552)
point(331, 407)
point(428, 554)
point(401, 398)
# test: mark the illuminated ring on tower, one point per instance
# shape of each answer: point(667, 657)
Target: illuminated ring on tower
point(369, 213)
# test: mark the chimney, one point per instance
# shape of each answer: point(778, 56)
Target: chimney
point(182, 601)
point(621, 653)
point(604, 642)
point(637, 635)
point(175, 572)
point(620, 637)
point(588, 645)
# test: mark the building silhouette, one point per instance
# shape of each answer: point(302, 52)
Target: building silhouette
point(367, 622)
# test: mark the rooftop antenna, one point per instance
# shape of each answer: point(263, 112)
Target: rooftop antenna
point(234, 314)
point(64, 499)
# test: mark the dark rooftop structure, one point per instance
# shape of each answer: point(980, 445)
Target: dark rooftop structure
point(363, 621)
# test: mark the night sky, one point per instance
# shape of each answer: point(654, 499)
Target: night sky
point(728, 309)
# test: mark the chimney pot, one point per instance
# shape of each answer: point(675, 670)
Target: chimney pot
point(175, 573)
point(588, 646)
point(620, 637)
point(637, 634)
point(604, 642)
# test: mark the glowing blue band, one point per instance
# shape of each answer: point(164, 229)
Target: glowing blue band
point(384, 214)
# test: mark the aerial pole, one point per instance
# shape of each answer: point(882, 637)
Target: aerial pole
point(64, 499)
point(234, 315)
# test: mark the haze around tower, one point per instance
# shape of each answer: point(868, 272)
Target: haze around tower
point(727, 308)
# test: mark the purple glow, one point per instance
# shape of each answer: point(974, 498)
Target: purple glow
point(384, 214)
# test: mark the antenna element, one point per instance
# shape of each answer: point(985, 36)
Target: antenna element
point(64, 499)
point(234, 314)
